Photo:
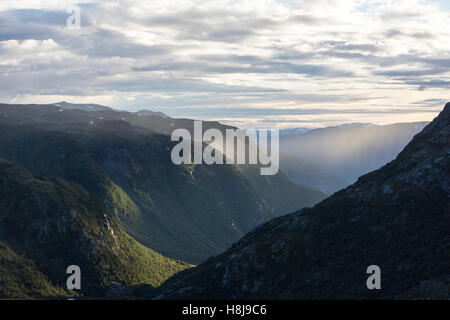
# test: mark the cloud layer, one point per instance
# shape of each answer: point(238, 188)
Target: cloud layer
point(248, 62)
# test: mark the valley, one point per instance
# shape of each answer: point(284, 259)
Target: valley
point(101, 183)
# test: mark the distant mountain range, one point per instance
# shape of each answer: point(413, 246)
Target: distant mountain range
point(292, 131)
point(329, 159)
point(79, 106)
point(397, 218)
point(97, 107)
point(349, 151)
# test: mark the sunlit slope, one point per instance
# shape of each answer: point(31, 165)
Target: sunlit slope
point(51, 224)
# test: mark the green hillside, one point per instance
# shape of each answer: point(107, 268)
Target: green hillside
point(48, 224)
point(21, 279)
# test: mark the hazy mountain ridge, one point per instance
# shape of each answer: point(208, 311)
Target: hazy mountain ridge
point(350, 151)
point(397, 217)
point(304, 173)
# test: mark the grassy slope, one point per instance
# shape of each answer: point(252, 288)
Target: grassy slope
point(21, 279)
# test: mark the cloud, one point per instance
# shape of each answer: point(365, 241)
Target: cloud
point(419, 35)
point(246, 58)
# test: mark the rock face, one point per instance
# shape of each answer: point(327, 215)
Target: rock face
point(397, 218)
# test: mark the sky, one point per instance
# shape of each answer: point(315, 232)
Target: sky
point(250, 63)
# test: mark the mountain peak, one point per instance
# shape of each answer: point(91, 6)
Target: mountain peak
point(81, 106)
point(446, 108)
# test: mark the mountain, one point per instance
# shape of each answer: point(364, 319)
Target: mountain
point(304, 173)
point(292, 131)
point(49, 224)
point(63, 105)
point(187, 212)
point(21, 279)
point(86, 107)
point(151, 113)
point(349, 151)
point(397, 218)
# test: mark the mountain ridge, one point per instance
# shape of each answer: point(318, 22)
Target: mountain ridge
point(347, 152)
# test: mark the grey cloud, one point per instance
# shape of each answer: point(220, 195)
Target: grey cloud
point(43, 17)
point(308, 19)
point(216, 25)
point(431, 66)
point(431, 102)
point(397, 33)
point(357, 47)
point(426, 84)
point(31, 26)
point(410, 73)
point(227, 35)
point(224, 25)
point(390, 16)
point(437, 62)
point(246, 64)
